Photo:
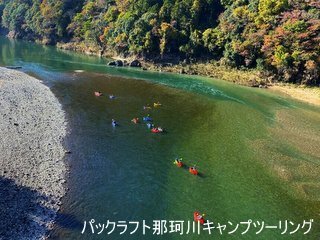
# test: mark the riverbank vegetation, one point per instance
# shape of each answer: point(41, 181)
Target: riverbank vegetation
point(278, 38)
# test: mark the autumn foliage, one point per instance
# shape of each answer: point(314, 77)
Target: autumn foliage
point(278, 37)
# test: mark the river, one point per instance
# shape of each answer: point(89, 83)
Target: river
point(257, 152)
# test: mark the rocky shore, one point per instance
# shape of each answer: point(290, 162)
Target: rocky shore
point(32, 170)
point(249, 78)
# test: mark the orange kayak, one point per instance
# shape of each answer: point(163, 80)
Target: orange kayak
point(197, 217)
point(156, 130)
point(193, 171)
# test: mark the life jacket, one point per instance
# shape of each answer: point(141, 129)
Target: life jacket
point(179, 163)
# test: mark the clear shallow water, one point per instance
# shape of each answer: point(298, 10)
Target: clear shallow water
point(127, 173)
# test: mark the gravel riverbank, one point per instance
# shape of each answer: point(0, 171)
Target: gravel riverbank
point(32, 172)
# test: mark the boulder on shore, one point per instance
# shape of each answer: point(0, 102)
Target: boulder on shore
point(117, 63)
point(11, 34)
point(135, 63)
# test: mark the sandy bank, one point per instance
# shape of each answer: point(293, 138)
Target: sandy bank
point(32, 172)
point(305, 94)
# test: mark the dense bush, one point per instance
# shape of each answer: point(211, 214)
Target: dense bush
point(278, 36)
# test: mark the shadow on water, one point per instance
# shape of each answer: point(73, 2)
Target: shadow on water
point(22, 216)
point(68, 221)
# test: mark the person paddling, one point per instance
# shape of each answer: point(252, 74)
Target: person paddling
point(114, 123)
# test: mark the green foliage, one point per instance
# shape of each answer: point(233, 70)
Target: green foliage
point(279, 35)
point(213, 39)
point(34, 19)
point(13, 15)
point(295, 26)
point(268, 9)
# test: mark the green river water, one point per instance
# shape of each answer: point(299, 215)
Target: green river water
point(257, 152)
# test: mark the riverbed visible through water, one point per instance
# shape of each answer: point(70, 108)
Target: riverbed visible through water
point(257, 152)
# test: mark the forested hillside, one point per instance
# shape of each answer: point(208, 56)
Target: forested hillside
point(278, 36)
